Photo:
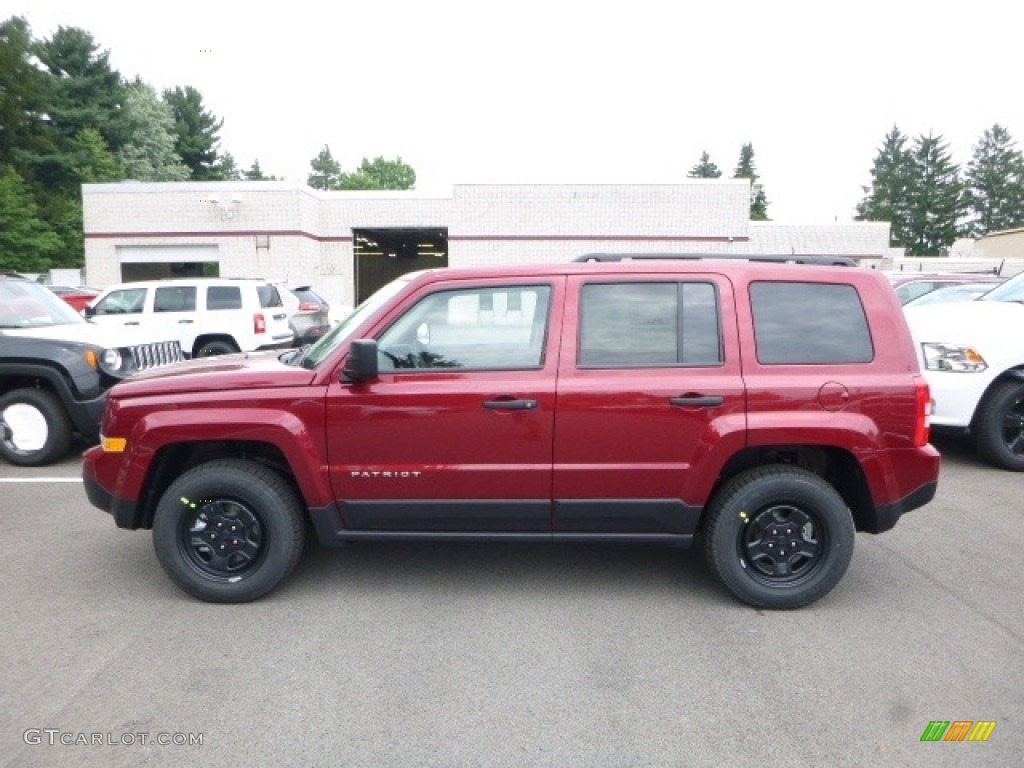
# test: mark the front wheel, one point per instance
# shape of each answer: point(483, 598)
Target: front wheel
point(778, 537)
point(228, 531)
point(998, 429)
point(35, 428)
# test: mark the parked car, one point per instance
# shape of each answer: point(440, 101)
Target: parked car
point(972, 354)
point(766, 410)
point(79, 298)
point(948, 294)
point(910, 285)
point(56, 370)
point(210, 316)
point(308, 313)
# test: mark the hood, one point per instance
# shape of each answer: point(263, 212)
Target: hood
point(217, 374)
point(966, 322)
point(106, 336)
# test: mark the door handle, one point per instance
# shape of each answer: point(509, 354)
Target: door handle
point(701, 401)
point(510, 405)
point(132, 322)
point(186, 321)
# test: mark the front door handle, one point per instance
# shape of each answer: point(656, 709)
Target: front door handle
point(701, 401)
point(510, 405)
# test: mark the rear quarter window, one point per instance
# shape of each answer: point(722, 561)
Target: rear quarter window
point(809, 323)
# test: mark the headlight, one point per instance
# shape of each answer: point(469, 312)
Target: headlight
point(112, 360)
point(957, 358)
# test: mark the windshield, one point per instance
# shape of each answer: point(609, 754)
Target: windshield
point(341, 332)
point(25, 304)
point(1011, 290)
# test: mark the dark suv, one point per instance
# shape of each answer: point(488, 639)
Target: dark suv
point(770, 410)
point(56, 368)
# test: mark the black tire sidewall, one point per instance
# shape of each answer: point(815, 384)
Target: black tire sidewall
point(215, 348)
point(751, 492)
point(987, 430)
point(265, 493)
point(58, 426)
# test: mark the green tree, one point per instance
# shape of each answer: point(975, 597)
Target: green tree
point(326, 170)
point(84, 91)
point(24, 132)
point(705, 169)
point(995, 184)
point(148, 153)
point(255, 173)
point(91, 161)
point(888, 198)
point(226, 168)
point(937, 202)
point(195, 132)
point(745, 169)
point(379, 174)
point(27, 242)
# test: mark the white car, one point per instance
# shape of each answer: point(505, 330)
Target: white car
point(210, 316)
point(972, 354)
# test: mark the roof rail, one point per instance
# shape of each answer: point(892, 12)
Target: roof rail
point(826, 261)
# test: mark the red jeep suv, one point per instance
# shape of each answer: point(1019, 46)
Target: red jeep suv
point(768, 410)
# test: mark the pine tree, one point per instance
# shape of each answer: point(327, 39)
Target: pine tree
point(326, 170)
point(705, 169)
point(995, 184)
point(937, 203)
point(745, 170)
point(195, 132)
point(889, 197)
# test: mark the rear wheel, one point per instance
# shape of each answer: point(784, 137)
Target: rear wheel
point(228, 531)
point(779, 537)
point(998, 429)
point(37, 431)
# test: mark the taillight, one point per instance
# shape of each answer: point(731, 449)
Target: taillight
point(922, 411)
point(259, 323)
point(309, 306)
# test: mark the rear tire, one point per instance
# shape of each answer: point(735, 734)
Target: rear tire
point(778, 537)
point(228, 531)
point(38, 429)
point(998, 428)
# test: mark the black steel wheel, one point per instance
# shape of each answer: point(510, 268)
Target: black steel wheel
point(998, 428)
point(778, 537)
point(228, 531)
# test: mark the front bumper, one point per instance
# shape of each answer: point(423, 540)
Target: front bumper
point(126, 513)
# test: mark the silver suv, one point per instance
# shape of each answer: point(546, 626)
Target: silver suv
point(210, 316)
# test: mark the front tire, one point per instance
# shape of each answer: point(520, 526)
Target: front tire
point(779, 537)
point(228, 531)
point(212, 348)
point(998, 429)
point(38, 429)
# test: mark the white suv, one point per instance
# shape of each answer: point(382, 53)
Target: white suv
point(972, 354)
point(210, 316)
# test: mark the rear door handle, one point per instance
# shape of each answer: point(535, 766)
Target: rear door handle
point(701, 401)
point(186, 321)
point(510, 405)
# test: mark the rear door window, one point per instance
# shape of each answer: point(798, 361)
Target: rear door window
point(649, 324)
point(223, 297)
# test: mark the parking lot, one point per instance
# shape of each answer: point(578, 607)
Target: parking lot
point(510, 655)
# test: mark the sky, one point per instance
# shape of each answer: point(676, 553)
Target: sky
point(559, 92)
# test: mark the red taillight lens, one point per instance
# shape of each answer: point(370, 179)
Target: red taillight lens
point(259, 323)
point(922, 411)
point(308, 306)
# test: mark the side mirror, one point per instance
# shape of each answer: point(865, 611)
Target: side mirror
point(89, 311)
point(361, 363)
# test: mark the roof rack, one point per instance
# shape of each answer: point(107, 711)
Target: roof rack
point(825, 261)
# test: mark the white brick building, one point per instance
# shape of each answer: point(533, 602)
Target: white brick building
point(347, 243)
